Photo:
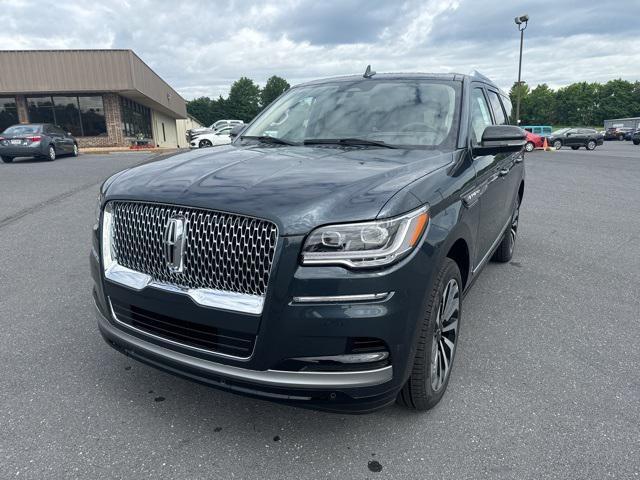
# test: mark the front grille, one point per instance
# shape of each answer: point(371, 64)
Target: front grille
point(223, 251)
point(187, 333)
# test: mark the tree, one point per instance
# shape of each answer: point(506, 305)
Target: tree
point(540, 106)
point(244, 99)
point(523, 88)
point(200, 109)
point(273, 89)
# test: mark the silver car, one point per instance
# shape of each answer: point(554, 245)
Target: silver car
point(41, 140)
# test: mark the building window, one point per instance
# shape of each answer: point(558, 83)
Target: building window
point(82, 116)
point(8, 112)
point(136, 119)
point(164, 134)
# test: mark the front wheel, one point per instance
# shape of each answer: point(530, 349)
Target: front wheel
point(6, 159)
point(529, 146)
point(591, 145)
point(557, 144)
point(621, 137)
point(75, 150)
point(438, 337)
point(636, 142)
point(205, 143)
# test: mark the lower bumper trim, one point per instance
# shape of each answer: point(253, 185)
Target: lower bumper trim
point(269, 378)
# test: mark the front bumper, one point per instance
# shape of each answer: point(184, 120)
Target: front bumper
point(290, 327)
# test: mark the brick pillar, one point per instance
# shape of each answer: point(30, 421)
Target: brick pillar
point(113, 117)
point(23, 112)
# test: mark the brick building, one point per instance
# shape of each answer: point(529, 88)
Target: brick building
point(105, 98)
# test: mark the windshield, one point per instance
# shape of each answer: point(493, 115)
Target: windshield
point(22, 129)
point(560, 132)
point(408, 113)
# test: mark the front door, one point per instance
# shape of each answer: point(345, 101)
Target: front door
point(488, 180)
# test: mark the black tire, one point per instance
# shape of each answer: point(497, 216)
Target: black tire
point(419, 392)
point(74, 152)
point(6, 159)
point(591, 145)
point(620, 137)
point(51, 154)
point(529, 146)
point(557, 144)
point(504, 252)
point(205, 143)
point(575, 147)
point(636, 142)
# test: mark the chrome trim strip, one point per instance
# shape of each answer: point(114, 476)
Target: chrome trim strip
point(492, 248)
point(349, 358)
point(271, 378)
point(233, 301)
point(367, 297)
point(173, 342)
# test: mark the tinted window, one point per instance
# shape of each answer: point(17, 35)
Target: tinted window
point(136, 119)
point(480, 117)
point(8, 112)
point(508, 108)
point(92, 113)
point(82, 116)
point(499, 115)
point(413, 113)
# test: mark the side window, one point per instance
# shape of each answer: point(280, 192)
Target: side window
point(498, 113)
point(508, 108)
point(480, 117)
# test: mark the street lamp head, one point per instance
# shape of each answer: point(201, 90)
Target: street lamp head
point(522, 19)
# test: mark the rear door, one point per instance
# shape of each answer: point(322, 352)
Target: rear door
point(573, 138)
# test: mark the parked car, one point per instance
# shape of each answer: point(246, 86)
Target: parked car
point(575, 138)
point(533, 141)
point(211, 139)
point(323, 265)
point(629, 134)
point(616, 133)
point(41, 140)
point(214, 127)
point(635, 138)
point(542, 130)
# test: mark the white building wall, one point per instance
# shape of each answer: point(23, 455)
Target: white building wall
point(165, 132)
point(184, 124)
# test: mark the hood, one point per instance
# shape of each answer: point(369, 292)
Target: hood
point(298, 188)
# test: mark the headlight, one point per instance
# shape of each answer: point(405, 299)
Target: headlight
point(366, 244)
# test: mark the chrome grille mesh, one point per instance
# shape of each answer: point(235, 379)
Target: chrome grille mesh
point(223, 251)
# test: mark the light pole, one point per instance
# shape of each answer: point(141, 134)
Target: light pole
point(521, 22)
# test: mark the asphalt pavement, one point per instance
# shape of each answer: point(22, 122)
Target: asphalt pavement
point(546, 382)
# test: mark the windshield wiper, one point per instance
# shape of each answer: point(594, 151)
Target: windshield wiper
point(348, 141)
point(268, 139)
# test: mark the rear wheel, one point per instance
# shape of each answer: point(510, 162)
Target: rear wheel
point(621, 137)
point(636, 142)
point(591, 145)
point(51, 153)
point(557, 144)
point(6, 159)
point(505, 250)
point(437, 342)
point(529, 146)
point(205, 143)
point(575, 147)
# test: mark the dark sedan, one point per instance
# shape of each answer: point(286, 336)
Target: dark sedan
point(575, 138)
point(40, 140)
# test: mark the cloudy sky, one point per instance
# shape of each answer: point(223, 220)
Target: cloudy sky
point(201, 47)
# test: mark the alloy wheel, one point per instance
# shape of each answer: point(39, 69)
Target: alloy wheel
point(445, 335)
point(557, 144)
point(591, 145)
point(513, 232)
point(75, 150)
point(52, 153)
point(529, 147)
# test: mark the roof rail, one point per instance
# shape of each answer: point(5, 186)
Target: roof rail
point(477, 74)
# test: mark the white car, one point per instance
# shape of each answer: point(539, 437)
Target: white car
point(211, 139)
point(214, 127)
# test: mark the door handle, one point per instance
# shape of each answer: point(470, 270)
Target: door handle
point(503, 172)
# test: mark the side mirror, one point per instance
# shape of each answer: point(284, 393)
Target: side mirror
point(501, 139)
point(235, 131)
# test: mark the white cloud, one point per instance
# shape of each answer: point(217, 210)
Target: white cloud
point(201, 47)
